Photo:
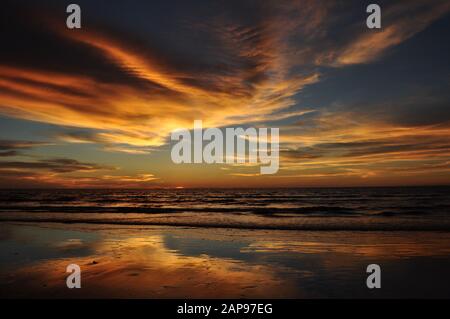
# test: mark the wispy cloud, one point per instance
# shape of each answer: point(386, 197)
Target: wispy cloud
point(400, 21)
point(15, 148)
point(63, 172)
point(253, 73)
point(54, 165)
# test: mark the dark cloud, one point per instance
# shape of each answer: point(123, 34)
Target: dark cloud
point(424, 109)
point(13, 148)
point(426, 145)
point(44, 173)
point(56, 165)
point(25, 28)
point(9, 153)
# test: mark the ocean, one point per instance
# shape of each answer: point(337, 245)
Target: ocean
point(387, 208)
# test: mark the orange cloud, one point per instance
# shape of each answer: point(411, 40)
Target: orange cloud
point(129, 114)
point(400, 22)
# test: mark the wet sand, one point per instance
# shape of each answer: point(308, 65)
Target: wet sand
point(185, 262)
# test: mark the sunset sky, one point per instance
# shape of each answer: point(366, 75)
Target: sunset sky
point(95, 107)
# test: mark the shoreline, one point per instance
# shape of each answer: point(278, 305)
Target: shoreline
point(363, 227)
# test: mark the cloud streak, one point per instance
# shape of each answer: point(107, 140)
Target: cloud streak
point(9, 148)
point(253, 74)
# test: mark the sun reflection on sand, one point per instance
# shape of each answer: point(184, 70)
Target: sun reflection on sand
point(168, 262)
point(383, 250)
point(144, 267)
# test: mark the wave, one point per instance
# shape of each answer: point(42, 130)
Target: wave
point(204, 224)
point(232, 209)
point(299, 209)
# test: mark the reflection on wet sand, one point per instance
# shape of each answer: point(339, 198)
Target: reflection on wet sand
point(151, 262)
point(399, 247)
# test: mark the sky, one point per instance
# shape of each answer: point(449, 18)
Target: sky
point(94, 107)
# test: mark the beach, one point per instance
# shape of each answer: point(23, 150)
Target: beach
point(225, 243)
point(120, 261)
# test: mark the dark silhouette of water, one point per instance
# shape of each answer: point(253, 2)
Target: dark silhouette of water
point(397, 208)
